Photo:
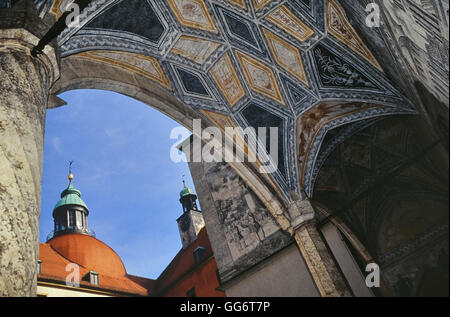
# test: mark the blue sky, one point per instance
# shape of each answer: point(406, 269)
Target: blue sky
point(121, 148)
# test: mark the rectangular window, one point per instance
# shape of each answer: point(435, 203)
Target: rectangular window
point(71, 218)
point(39, 267)
point(79, 216)
point(93, 278)
point(191, 293)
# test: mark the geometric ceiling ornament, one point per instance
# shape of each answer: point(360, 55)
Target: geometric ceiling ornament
point(240, 3)
point(287, 56)
point(260, 3)
point(193, 14)
point(192, 84)
point(334, 72)
point(307, 4)
point(257, 117)
point(196, 49)
point(287, 21)
point(300, 98)
point(227, 80)
point(260, 77)
point(145, 22)
point(338, 26)
point(241, 32)
point(143, 65)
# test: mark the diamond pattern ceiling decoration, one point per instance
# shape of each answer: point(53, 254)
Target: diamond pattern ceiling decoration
point(227, 80)
point(240, 3)
point(241, 32)
point(259, 117)
point(245, 60)
point(193, 13)
point(195, 49)
point(146, 23)
point(287, 21)
point(338, 26)
point(192, 83)
point(300, 98)
point(287, 56)
point(260, 77)
point(260, 3)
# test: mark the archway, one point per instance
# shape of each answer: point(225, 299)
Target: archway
point(227, 63)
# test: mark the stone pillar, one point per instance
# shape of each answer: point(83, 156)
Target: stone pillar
point(328, 278)
point(24, 86)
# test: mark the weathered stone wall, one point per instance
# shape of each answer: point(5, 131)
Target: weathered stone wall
point(24, 85)
point(411, 45)
point(22, 118)
point(241, 229)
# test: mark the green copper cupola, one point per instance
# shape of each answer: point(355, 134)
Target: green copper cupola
point(70, 212)
point(188, 199)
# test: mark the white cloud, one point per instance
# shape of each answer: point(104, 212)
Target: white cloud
point(56, 144)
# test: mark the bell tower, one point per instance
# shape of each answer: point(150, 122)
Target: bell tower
point(70, 213)
point(191, 222)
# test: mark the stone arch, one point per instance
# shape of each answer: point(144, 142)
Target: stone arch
point(301, 76)
point(82, 74)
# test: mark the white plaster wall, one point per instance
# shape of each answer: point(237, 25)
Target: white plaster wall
point(283, 275)
point(346, 262)
point(62, 292)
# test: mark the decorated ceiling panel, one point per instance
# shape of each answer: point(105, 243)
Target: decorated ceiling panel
point(297, 65)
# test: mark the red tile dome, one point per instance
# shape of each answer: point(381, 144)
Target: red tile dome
point(89, 253)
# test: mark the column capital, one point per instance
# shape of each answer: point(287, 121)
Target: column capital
point(21, 40)
point(21, 28)
point(301, 213)
point(320, 262)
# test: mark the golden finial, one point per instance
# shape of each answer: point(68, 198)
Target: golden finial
point(70, 171)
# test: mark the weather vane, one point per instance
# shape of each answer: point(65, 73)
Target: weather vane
point(70, 170)
point(184, 183)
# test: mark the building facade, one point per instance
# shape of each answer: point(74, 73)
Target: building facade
point(73, 263)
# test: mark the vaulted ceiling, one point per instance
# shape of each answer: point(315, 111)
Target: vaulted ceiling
point(297, 65)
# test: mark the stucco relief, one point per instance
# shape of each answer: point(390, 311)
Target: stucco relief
point(226, 78)
point(196, 49)
point(193, 13)
point(244, 219)
point(287, 21)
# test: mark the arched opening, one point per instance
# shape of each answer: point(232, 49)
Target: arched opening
point(123, 168)
point(79, 72)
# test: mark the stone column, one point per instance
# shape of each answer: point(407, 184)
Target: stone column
point(24, 86)
point(328, 278)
